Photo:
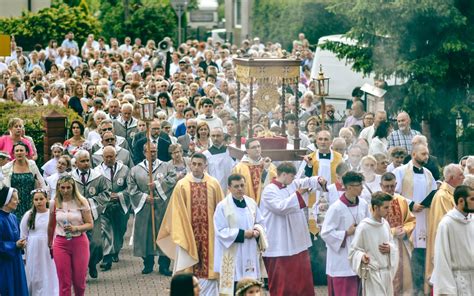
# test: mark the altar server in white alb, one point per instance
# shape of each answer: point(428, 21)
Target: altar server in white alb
point(340, 223)
point(238, 224)
point(287, 258)
point(373, 253)
point(453, 272)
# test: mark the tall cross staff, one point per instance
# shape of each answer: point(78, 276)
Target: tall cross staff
point(147, 114)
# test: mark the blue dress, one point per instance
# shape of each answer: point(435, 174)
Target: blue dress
point(12, 271)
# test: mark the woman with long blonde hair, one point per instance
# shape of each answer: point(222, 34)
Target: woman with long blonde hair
point(69, 219)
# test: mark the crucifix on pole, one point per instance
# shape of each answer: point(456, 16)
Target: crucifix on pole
point(179, 7)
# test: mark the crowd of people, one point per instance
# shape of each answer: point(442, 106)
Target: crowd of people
point(368, 210)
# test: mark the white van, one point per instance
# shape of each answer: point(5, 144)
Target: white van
point(342, 78)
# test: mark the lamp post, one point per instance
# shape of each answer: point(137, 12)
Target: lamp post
point(322, 90)
point(147, 114)
point(179, 6)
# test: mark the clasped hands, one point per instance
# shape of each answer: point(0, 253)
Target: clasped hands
point(251, 233)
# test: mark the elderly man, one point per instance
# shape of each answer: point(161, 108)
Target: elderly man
point(189, 136)
point(115, 216)
point(108, 126)
point(93, 186)
point(368, 132)
point(443, 202)
point(339, 145)
point(403, 136)
point(220, 163)
point(126, 125)
point(109, 140)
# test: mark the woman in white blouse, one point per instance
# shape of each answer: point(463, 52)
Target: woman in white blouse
point(379, 142)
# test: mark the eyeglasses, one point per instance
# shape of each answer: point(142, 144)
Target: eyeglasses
point(109, 140)
point(109, 129)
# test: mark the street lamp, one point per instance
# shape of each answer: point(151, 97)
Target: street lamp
point(147, 114)
point(322, 90)
point(179, 6)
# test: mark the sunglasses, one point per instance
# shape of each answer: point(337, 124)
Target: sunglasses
point(109, 140)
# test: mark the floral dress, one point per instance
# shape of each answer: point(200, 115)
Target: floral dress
point(24, 183)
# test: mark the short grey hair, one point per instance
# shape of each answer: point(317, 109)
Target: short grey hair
point(450, 170)
point(81, 153)
point(469, 180)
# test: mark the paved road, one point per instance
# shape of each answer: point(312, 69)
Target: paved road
point(125, 278)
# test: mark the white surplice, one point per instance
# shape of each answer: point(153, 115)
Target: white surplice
point(40, 268)
point(370, 187)
point(338, 219)
point(377, 276)
point(247, 260)
point(453, 272)
point(220, 167)
point(284, 220)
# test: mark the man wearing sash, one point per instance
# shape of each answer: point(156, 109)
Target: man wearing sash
point(417, 185)
point(115, 217)
point(322, 162)
point(237, 223)
point(443, 202)
point(220, 163)
point(257, 171)
point(94, 187)
point(287, 258)
point(338, 231)
point(453, 272)
point(187, 233)
point(126, 125)
point(402, 222)
point(109, 139)
point(164, 180)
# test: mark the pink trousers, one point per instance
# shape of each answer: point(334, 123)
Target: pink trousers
point(71, 258)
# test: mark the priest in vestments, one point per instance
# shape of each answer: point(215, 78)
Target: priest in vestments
point(257, 171)
point(453, 272)
point(417, 184)
point(238, 225)
point(187, 232)
point(287, 258)
point(220, 163)
point(443, 202)
point(322, 162)
point(340, 223)
point(373, 253)
point(402, 222)
point(12, 269)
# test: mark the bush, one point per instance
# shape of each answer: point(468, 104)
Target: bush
point(50, 23)
point(32, 117)
point(147, 20)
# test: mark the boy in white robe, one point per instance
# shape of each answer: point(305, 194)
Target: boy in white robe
point(373, 253)
point(237, 221)
point(340, 223)
point(453, 272)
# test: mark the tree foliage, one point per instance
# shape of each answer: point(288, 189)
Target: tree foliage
point(50, 23)
point(428, 43)
point(282, 20)
point(147, 19)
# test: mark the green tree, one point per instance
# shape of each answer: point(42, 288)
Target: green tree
point(147, 19)
point(430, 44)
point(50, 23)
point(282, 20)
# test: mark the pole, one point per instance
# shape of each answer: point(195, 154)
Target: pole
point(238, 130)
point(150, 180)
point(323, 111)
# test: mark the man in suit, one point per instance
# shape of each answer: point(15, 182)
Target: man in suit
point(159, 138)
point(189, 136)
point(108, 126)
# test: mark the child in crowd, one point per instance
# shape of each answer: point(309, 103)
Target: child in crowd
point(40, 269)
point(249, 287)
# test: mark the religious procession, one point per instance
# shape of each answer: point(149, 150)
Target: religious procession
point(313, 164)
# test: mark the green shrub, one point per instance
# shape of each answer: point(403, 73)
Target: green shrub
point(50, 23)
